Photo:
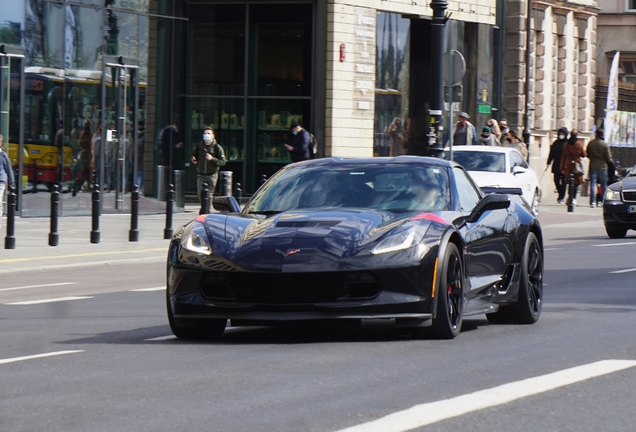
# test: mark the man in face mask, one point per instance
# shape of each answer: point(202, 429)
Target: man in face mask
point(299, 148)
point(554, 158)
point(208, 156)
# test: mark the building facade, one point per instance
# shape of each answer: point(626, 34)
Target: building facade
point(355, 73)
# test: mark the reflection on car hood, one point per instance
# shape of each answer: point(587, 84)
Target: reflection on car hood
point(628, 183)
point(305, 240)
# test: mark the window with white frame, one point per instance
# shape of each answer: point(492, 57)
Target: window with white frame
point(630, 5)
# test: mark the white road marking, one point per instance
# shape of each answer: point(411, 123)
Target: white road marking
point(552, 249)
point(429, 413)
point(37, 356)
point(151, 259)
point(160, 338)
point(623, 271)
point(37, 286)
point(614, 244)
point(161, 288)
point(52, 300)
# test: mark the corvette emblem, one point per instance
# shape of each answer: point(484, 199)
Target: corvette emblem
point(290, 252)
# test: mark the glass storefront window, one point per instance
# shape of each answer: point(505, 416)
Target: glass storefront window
point(281, 49)
point(217, 50)
point(274, 120)
point(392, 85)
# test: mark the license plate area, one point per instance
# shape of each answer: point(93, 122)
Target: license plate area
point(631, 208)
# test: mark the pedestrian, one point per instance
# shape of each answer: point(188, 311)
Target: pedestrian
point(573, 151)
point(600, 156)
point(208, 156)
point(554, 158)
point(464, 132)
point(85, 156)
point(141, 135)
point(494, 128)
point(487, 137)
point(505, 130)
point(170, 145)
point(299, 148)
point(397, 135)
point(6, 173)
point(512, 140)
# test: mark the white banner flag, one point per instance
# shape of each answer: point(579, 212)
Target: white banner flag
point(612, 101)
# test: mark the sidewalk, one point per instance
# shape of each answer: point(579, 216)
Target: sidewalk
point(32, 251)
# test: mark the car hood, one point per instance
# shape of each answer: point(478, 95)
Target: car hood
point(486, 178)
point(628, 183)
point(308, 240)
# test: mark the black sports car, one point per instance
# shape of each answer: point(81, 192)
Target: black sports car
point(407, 238)
point(619, 206)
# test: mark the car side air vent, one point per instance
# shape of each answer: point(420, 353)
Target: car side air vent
point(307, 224)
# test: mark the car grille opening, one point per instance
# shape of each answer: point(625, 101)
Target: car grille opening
point(629, 195)
point(288, 288)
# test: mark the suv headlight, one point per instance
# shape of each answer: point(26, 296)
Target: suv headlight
point(195, 239)
point(612, 195)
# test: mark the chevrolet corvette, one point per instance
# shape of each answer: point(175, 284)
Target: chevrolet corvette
point(410, 239)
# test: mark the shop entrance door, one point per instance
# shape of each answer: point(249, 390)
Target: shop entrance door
point(119, 156)
point(12, 108)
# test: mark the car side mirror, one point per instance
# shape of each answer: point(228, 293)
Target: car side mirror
point(489, 202)
point(518, 170)
point(226, 204)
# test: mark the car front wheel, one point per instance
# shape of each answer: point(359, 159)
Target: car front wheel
point(616, 233)
point(450, 296)
point(209, 329)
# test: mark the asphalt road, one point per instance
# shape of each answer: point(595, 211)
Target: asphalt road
point(112, 364)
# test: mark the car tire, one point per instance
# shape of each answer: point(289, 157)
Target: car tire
point(209, 329)
point(616, 233)
point(450, 296)
point(527, 309)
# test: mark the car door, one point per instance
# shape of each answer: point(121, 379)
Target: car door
point(488, 243)
point(523, 173)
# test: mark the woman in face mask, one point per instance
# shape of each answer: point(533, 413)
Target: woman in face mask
point(573, 151)
point(487, 137)
point(554, 158)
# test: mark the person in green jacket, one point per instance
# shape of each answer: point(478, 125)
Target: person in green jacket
point(599, 154)
point(208, 156)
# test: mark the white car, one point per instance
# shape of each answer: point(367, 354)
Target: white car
point(500, 167)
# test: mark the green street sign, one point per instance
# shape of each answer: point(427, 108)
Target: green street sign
point(483, 109)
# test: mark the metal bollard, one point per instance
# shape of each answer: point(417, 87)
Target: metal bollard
point(238, 192)
point(205, 200)
point(167, 232)
point(263, 179)
point(9, 240)
point(571, 193)
point(133, 234)
point(54, 237)
point(95, 197)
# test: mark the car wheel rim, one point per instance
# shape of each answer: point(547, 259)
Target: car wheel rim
point(454, 291)
point(535, 278)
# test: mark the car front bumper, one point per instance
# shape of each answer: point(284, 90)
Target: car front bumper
point(616, 215)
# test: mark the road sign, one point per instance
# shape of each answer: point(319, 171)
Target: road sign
point(483, 109)
point(454, 67)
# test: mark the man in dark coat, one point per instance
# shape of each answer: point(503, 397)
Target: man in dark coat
point(600, 156)
point(171, 146)
point(299, 148)
point(554, 158)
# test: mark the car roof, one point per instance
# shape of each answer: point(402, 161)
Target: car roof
point(406, 160)
point(483, 148)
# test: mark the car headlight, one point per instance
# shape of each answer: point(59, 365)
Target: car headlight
point(612, 195)
point(195, 239)
point(400, 240)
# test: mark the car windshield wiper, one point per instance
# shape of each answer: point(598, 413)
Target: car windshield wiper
point(266, 212)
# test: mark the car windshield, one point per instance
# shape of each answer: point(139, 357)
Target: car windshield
point(397, 187)
point(481, 161)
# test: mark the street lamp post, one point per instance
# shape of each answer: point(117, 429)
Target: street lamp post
point(437, 83)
